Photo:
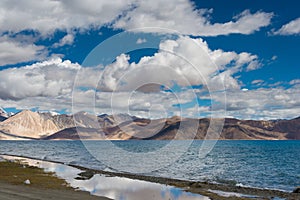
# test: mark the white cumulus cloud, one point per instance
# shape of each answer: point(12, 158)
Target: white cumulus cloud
point(185, 61)
point(263, 103)
point(66, 40)
point(182, 16)
point(12, 52)
point(46, 16)
point(136, 87)
point(40, 79)
point(52, 78)
point(291, 28)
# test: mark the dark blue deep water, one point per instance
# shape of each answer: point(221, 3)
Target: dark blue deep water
point(263, 164)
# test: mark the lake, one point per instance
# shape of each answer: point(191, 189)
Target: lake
point(262, 164)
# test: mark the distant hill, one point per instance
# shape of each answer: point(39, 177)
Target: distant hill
point(71, 134)
point(46, 126)
point(33, 125)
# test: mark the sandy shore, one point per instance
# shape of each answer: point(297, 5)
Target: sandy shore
point(42, 185)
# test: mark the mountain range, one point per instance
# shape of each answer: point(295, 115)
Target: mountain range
point(48, 126)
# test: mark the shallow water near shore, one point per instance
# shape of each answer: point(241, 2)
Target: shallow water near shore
point(118, 188)
point(262, 164)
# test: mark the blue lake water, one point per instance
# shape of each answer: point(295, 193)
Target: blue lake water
point(263, 164)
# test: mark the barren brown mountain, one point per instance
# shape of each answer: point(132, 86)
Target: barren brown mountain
point(33, 125)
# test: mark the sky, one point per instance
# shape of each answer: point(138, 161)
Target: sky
point(151, 58)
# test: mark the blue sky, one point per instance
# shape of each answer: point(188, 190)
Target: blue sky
point(254, 46)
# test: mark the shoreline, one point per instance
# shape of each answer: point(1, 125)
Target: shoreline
point(197, 187)
point(24, 182)
point(22, 192)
